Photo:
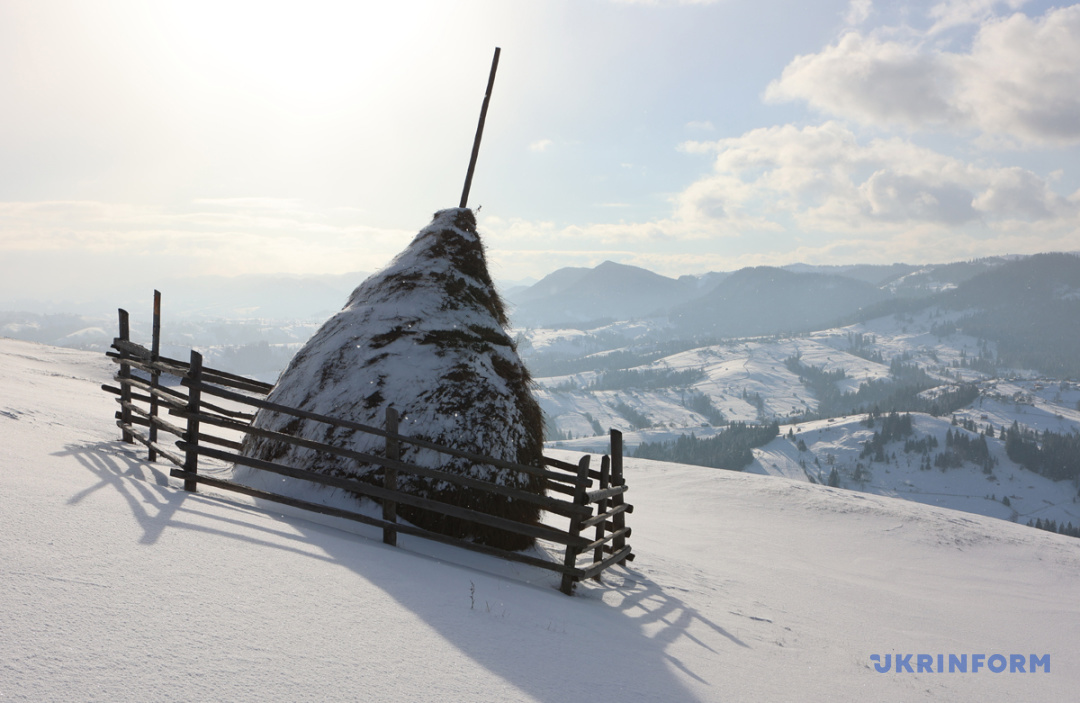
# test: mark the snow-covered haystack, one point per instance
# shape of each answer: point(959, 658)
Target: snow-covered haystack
point(425, 336)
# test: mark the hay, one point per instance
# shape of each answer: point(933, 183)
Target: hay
point(427, 337)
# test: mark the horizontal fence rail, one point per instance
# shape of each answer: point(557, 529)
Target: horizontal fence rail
point(594, 498)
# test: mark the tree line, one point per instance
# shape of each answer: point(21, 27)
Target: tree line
point(731, 449)
point(1050, 454)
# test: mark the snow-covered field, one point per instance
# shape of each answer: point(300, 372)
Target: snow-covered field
point(118, 586)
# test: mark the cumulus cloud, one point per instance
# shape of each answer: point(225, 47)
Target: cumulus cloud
point(823, 178)
point(858, 12)
point(954, 13)
point(1018, 81)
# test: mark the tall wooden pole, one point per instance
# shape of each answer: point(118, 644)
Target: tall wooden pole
point(479, 130)
point(125, 373)
point(155, 375)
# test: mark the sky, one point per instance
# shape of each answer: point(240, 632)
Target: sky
point(171, 139)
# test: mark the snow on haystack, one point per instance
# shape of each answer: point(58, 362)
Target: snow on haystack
point(425, 336)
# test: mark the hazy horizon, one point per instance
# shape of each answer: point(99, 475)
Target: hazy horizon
point(199, 138)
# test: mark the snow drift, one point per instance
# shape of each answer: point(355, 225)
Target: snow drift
point(425, 336)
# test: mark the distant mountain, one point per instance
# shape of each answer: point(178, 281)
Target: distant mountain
point(1030, 307)
point(767, 300)
point(935, 278)
point(872, 274)
point(609, 291)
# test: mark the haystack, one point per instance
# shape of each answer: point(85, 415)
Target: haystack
point(427, 337)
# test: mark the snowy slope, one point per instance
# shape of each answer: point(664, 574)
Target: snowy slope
point(839, 443)
point(118, 586)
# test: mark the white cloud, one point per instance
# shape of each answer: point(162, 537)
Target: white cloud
point(823, 179)
point(858, 12)
point(955, 13)
point(819, 194)
point(540, 145)
point(700, 125)
point(228, 236)
point(1018, 81)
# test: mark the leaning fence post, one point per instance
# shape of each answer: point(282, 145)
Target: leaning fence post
point(125, 374)
point(580, 498)
point(155, 374)
point(601, 508)
point(191, 437)
point(393, 452)
point(619, 520)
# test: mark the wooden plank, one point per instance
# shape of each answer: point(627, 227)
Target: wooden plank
point(608, 549)
point(605, 493)
point(124, 344)
point(168, 366)
point(617, 480)
point(191, 436)
point(376, 522)
point(601, 507)
point(125, 371)
point(138, 437)
point(246, 418)
point(601, 541)
point(155, 376)
point(559, 488)
point(176, 365)
point(611, 512)
point(337, 422)
point(203, 437)
point(179, 401)
point(548, 461)
point(178, 398)
point(138, 421)
point(154, 422)
point(228, 381)
point(618, 557)
point(570, 560)
point(149, 366)
point(119, 392)
point(393, 453)
point(570, 469)
point(554, 505)
point(544, 532)
point(220, 441)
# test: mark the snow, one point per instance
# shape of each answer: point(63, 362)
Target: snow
point(424, 337)
point(119, 586)
point(964, 488)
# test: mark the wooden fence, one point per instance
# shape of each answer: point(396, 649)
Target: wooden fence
point(593, 499)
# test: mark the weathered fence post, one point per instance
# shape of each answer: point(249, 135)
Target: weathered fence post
point(601, 508)
point(191, 454)
point(125, 373)
point(619, 520)
point(393, 451)
point(580, 498)
point(155, 375)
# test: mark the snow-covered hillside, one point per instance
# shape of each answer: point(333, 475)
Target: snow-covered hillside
point(750, 380)
point(840, 444)
point(118, 586)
